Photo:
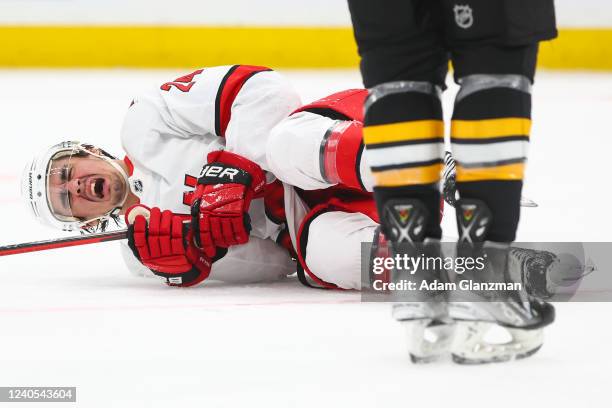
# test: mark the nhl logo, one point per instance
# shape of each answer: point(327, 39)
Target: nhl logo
point(463, 16)
point(137, 186)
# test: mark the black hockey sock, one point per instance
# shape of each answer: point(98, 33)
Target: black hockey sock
point(489, 136)
point(404, 138)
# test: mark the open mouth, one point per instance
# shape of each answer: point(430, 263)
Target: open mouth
point(97, 187)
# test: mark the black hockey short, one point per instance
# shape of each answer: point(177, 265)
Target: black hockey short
point(414, 39)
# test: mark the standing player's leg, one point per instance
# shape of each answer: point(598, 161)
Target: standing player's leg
point(404, 64)
point(494, 61)
point(490, 130)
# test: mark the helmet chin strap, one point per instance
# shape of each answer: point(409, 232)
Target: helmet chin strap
point(126, 182)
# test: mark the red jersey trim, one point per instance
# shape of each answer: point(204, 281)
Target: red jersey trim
point(302, 242)
point(129, 165)
point(228, 89)
point(348, 103)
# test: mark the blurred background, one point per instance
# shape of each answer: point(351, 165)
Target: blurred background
point(277, 33)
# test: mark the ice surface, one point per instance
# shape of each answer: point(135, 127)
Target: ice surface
point(75, 317)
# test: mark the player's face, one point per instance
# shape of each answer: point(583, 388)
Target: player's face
point(84, 187)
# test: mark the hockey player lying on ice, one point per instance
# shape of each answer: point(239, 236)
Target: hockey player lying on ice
point(280, 181)
point(235, 178)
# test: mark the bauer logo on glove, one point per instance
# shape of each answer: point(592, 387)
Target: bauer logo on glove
point(221, 201)
point(212, 173)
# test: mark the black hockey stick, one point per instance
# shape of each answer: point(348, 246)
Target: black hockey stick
point(63, 242)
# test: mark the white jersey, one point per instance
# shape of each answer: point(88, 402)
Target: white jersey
point(169, 131)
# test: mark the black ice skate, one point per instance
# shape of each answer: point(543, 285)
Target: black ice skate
point(503, 301)
point(425, 315)
point(547, 275)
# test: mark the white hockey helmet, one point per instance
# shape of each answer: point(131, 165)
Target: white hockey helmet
point(35, 187)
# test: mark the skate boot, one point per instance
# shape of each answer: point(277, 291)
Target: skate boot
point(423, 312)
point(490, 297)
point(547, 275)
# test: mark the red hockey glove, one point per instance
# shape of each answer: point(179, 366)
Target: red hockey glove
point(219, 211)
point(162, 241)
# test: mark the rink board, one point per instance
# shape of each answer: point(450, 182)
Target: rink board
point(191, 46)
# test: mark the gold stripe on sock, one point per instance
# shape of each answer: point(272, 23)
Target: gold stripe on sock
point(403, 131)
point(505, 172)
point(408, 176)
point(490, 128)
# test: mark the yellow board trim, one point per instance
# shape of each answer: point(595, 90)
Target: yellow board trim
point(167, 46)
point(195, 46)
point(405, 177)
point(578, 48)
point(404, 131)
point(490, 128)
point(506, 172)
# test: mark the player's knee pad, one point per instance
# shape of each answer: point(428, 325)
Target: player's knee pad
point(490, 137)
point(404, 137)
point(311, 151)
point(341, 159)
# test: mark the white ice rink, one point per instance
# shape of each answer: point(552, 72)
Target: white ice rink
point(75, 317)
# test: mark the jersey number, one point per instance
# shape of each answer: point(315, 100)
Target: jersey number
point(183, 83)
point(190, 181)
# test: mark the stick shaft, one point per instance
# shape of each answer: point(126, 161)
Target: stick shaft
point(63, 242)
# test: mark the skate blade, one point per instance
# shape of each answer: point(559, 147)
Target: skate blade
point(429, 340)
point(471, 348)
point(498, 359)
